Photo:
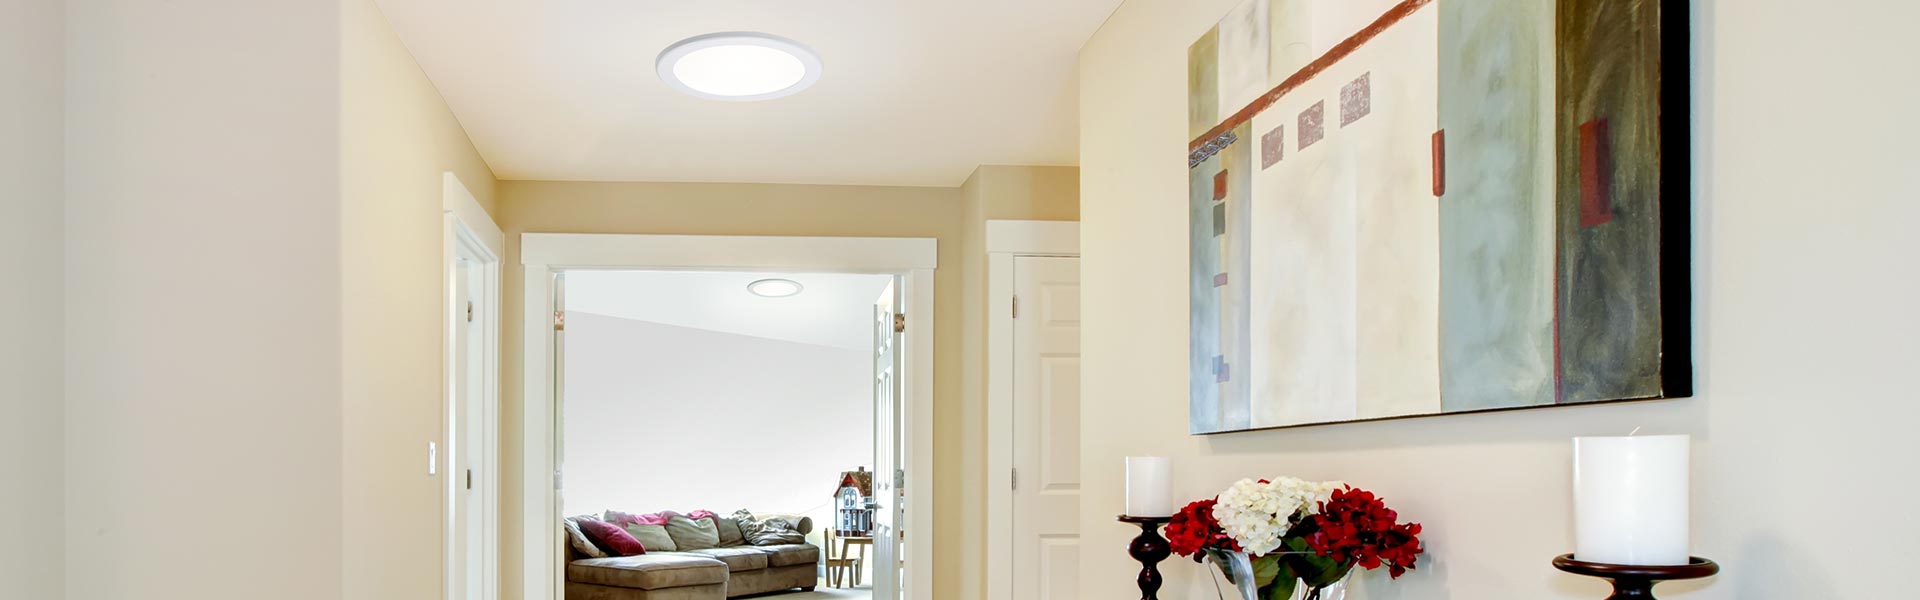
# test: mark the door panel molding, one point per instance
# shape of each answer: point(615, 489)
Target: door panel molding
point(1007, 240)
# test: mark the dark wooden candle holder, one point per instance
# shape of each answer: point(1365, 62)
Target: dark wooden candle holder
point(1149, 548)
point(1633, 582)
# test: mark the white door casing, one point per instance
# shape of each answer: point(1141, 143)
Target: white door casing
point(1046, 428)
point(546, 256)
point(471, 255)
point(1022, 427)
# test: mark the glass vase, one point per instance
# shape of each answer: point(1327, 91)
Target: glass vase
point(1237, 569)
point(1336, 591)
point(1241, 576)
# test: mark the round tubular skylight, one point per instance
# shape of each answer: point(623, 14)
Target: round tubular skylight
point(774, 288)
point(738, 66)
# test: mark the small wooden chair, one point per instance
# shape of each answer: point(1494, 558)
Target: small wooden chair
point(838, 567)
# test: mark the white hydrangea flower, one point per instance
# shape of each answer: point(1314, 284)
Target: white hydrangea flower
point(1257, 515)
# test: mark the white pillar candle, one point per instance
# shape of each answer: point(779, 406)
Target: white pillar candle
point(1150, 487)
point(1630, 499)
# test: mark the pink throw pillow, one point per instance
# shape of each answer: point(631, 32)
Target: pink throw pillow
point(704, 514)
point(613, 538)
point(623, 519)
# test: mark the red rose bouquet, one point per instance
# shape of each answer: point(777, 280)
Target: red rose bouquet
point(1273, 537)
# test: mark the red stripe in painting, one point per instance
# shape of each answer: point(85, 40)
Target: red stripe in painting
point(1219, 280)
point(1333, 55)
point(1439, 163)
point(1220, 185)
point(1596, 174)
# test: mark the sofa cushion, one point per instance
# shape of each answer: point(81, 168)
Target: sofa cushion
point(577, 539)
point(616, 540)
point(654, 537)
point(730, 534)
point(791, 554)
point(648, 571)
point(746, 558)
point(693, 534)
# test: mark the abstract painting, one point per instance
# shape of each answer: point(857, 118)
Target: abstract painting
point(1418, 207)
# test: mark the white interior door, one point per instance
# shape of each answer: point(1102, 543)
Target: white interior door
point(1046, 428)
point(465, 430)
point(888, 325)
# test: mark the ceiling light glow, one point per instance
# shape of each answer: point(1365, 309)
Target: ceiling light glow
point(738, 66)
point(774, 288)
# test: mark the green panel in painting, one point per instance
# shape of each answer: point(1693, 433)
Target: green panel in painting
point(1496, 224)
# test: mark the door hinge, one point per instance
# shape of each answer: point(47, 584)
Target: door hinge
point(559, 320)
point(899, 478)
point(469, 479)
point(1016, 479)
point(1016, 307)
point(469, 311)
point(900, 322)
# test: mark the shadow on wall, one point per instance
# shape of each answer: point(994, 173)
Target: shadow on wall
point(1520, 427)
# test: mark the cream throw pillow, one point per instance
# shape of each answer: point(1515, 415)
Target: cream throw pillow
point(693, 534)
point(730, 534)
point(653, 537)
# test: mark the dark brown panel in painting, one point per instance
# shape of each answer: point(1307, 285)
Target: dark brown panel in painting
point(1609, 266)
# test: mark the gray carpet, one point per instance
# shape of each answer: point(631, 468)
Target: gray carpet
point(822, 593)
point(826, 593)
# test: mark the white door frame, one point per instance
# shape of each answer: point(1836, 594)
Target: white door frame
point(1006, 240)
point(545, 254)
point(471, 234)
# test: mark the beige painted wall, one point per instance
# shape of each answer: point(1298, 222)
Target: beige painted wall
point(32, 546)
point(203, 268)
point(396, 139)
point(992, 192)
point(742, 209)
point(1803, 319)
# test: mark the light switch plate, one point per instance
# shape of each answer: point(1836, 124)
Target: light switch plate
point(433, 458)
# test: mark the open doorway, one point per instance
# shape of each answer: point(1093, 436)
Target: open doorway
point(895, 505)
point(733, 398)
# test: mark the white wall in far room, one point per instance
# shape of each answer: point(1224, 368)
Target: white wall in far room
point(31, 484)
point(660, 417)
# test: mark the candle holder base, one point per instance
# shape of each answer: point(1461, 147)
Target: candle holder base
point(1149, 548)
point(1635, 582)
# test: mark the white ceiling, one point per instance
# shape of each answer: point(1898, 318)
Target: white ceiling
point(834, 310)
point(915, 92)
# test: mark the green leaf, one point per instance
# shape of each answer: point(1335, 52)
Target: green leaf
point(1281, 588)
point(1265, 570)
point(1315, 570)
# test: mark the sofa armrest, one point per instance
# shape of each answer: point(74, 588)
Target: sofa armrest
point(801, 523)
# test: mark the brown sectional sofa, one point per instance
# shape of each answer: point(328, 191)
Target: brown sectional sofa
point(712, 574)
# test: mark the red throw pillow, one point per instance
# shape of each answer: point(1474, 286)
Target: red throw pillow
point(614, 539)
